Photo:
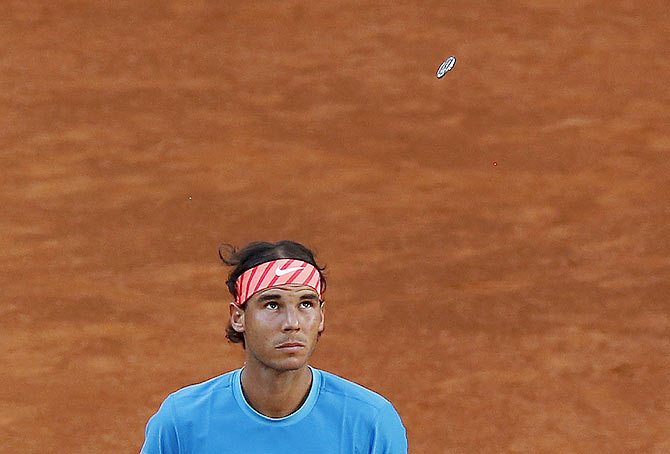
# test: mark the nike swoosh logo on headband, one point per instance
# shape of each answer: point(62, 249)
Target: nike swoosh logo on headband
point(281, 272)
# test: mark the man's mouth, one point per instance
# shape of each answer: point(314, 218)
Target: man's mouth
point(291, 346)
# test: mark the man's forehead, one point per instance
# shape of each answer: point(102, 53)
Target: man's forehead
point(289, 288)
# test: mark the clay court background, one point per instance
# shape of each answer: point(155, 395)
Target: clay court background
point(517, 308)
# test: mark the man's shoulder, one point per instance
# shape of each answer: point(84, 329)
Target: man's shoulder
point(354, 406)
point(202, 390)
point(343, 389)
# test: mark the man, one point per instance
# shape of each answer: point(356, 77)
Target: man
point(276, 403)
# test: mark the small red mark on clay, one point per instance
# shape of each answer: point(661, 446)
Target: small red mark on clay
point(495, 163)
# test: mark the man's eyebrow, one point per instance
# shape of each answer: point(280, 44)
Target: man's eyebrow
point(277, 296)
point(269, 296)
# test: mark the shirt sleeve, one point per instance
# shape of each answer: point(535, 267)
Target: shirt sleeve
point(161, 432)
point(389, 436)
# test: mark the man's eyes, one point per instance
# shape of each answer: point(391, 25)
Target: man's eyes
point(274, 305)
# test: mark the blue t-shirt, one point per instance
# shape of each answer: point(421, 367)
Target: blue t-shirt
point(213, 417)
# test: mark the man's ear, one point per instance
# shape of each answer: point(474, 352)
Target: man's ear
point(236, 317)
point(322, 325)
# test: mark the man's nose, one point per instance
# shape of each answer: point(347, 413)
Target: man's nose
point(291, 322)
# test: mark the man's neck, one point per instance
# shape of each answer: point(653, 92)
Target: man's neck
point(275, 393)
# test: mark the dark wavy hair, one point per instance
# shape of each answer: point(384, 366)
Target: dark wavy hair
point(255, 253)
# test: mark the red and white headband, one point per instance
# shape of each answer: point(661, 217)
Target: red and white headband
point(274, 273)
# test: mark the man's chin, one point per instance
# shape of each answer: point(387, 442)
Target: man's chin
point(290, 364)
point(296, 365)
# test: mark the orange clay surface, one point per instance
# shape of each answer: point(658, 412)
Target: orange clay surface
point(514, 308)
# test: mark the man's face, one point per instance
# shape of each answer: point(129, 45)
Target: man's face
point(281, 326)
